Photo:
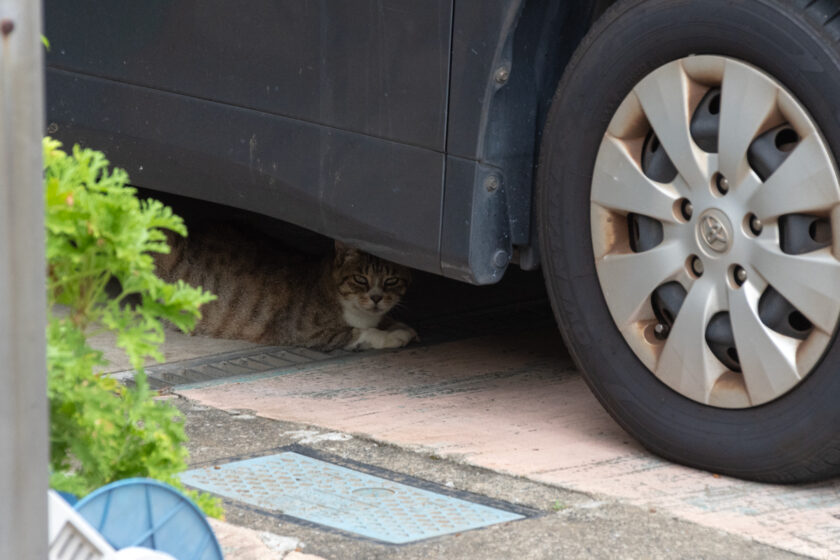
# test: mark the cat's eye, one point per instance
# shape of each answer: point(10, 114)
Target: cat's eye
point(359, 279)
point(391, 282)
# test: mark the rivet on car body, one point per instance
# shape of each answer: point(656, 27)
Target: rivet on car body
point(502, 75)
point(491, 183)
point(501, 258)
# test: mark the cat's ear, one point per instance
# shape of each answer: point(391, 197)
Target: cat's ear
point(344, 252)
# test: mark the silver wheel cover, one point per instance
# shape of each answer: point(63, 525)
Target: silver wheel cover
point(735, 264)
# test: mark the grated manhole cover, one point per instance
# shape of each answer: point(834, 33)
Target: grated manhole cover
point(439, 309)
point(239, 363)
point(321, 492)
point(225, 367)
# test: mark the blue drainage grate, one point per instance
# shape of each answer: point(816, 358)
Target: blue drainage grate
point(320, 492)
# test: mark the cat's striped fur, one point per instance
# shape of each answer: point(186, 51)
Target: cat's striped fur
point(271, 295)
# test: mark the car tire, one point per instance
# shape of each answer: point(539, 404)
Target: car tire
point(756, 420)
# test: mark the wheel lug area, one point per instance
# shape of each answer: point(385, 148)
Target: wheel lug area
point(755, 225)
point(684, 209)
point(696, 266)
point(687, 209)
point(739, 275)
point(721, 184)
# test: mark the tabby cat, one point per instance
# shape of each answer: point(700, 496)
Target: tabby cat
point(273, 296)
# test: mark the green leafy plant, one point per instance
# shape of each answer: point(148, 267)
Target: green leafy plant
point(100, 234)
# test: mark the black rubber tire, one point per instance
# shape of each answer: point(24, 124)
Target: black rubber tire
point(793, 438)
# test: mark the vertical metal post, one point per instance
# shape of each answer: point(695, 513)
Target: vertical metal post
point(23, 396)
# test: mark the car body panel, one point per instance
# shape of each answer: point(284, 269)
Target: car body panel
point(377, 122)
point(379, 68)
point(317, 177)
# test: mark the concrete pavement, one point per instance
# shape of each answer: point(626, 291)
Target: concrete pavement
point(569, 524)
point(515, 407)
point(503, 416)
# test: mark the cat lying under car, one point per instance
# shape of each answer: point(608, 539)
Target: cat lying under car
point(271, 296)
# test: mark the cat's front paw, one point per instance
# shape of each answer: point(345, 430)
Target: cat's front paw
point(377, 339)
point(403, 327)
point(398, 338)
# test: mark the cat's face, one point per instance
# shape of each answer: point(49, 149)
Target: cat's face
point(368, 283)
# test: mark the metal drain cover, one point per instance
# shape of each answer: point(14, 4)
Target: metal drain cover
point(335, 496)
point(239, 363)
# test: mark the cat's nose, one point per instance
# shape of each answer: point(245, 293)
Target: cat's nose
point(376, 298)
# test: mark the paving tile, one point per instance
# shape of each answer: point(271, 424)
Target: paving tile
point(514, 404)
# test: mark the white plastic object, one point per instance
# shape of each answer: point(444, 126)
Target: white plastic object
point(72, 538)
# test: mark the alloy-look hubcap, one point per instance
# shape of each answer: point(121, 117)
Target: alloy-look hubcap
point(715, 220)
